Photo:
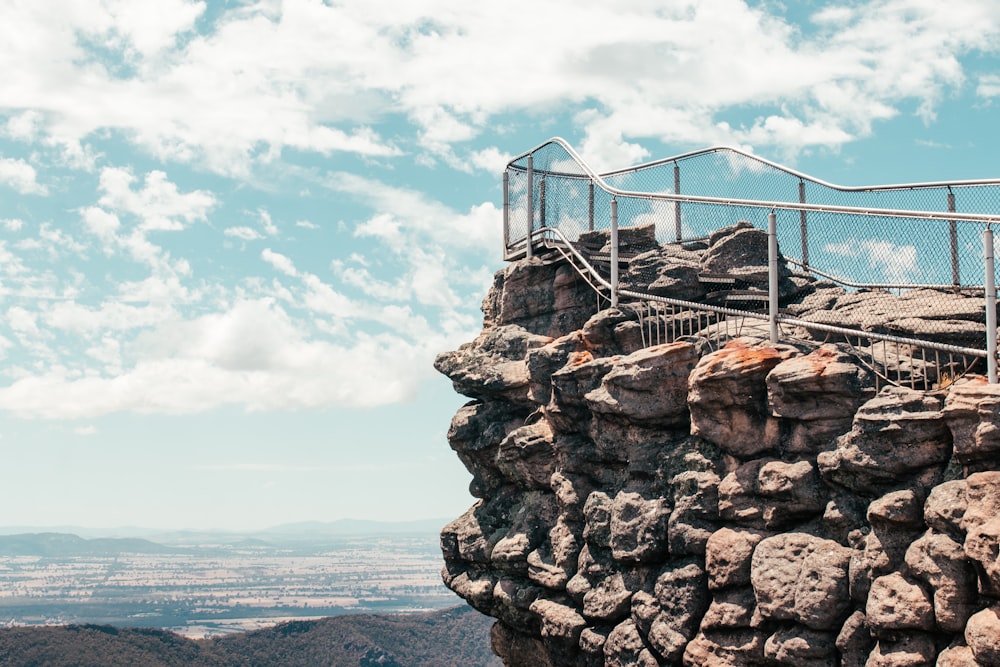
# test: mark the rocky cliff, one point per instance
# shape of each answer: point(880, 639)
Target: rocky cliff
point(718, 501)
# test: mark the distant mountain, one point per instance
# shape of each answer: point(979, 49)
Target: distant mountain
point(65, 545)
point(458, 636)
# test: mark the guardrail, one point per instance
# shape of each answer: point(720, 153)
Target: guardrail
point(882, 237)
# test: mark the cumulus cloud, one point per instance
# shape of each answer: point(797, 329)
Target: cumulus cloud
point(21, 176)
point(310, 76)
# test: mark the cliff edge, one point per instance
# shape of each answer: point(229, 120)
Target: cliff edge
point(718, 500)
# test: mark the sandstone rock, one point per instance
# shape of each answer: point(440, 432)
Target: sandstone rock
point(945, 507)
point(559, 623)
point(516, 648)
point(542, 362)
point(903, 508)
point(728, 555)
point(897, 604)
point(525, 456)
point(855, 641)
point(897, 437)
point(638, 527)
point(548, 299)
point(957, 656)
point(821, 392)
point(512, 600)
point(696, 509)
point(730, 608)
point(741, 251)
point(648, 386)
point(683, 598)
point(613, 332)
point(493, 365)
point(972, 410)
point(981, 522)
point(725, 648)
point(476, 588)
point(906, 650)
point(939, 562)
point(592, 642)
point(982, 635)
point(801, 578)
point(771, 494)
point(572, 491)
point(882, 552)
point(567, 409)
point(624, 648)
point(475, 435)
point(727, 398)
point(608, 600)
point(670, 270)
point(797, 646)
point(597, 515)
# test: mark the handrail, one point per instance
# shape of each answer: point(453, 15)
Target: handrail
point(556, 161)
point(773, 205)
point(716, 149)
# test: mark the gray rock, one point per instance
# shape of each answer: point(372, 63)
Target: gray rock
point(801, 578)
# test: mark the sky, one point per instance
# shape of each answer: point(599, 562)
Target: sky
point(234, 234)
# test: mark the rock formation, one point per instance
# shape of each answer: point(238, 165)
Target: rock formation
point(720, 502)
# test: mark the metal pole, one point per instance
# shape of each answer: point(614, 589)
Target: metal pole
point(614, 252)
point(991, 307)
point(803, 229)
point(590, 211)
point(531, 206)
point(956, 279)
point(506, 211)
point(677, 204)
point(772, 275)
point(541, 203)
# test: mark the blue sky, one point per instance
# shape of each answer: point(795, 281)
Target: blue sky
point(233, 235)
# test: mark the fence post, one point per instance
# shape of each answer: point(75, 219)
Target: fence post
point(531, 206)
point(956, 279)
point(991, 307)
point(614, 252)
point(590, 208)
point(772, 275)
point(506, 211)
point(677, 204)
point(803, 228)
point(541, 203)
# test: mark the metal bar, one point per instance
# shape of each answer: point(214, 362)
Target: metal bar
point(991, 307)
point(541, 202)
point(614, 252)
point(772, 275)
point(803, 229)
point(590, 208)
point(531, 206)
point(677, 205)
point(506, 210)
point(956, 278)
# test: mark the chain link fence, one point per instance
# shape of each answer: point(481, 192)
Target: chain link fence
point(892, 261)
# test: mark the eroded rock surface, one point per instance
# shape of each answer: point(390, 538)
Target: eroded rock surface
point(719, 502)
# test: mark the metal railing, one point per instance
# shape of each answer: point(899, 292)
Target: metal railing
point(877, 237)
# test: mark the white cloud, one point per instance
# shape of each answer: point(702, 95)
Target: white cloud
point(264, 77)
point(158, 204)
point(989, 85)
point(305, 224)
point(20, 176)
point(244, 233)
point(884, 261)
point(279, 261)
point(12, 224)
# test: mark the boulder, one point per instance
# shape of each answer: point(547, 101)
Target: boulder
point(982, 635)
point(728, 556)
point(895, 603)
point(638, 527)
point(727, 398)
point(801, 578)
point(940, 564)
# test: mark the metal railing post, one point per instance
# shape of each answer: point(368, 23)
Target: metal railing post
point(531, 206)
point(614, 252)
point(506, 211)
point(956, 279)
point(677, 204)
point(541, 203)
point(590, 208)
point(772, 275)
point(803, 228)
point(991, 307)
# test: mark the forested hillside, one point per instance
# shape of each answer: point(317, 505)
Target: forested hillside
point(458, 636)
